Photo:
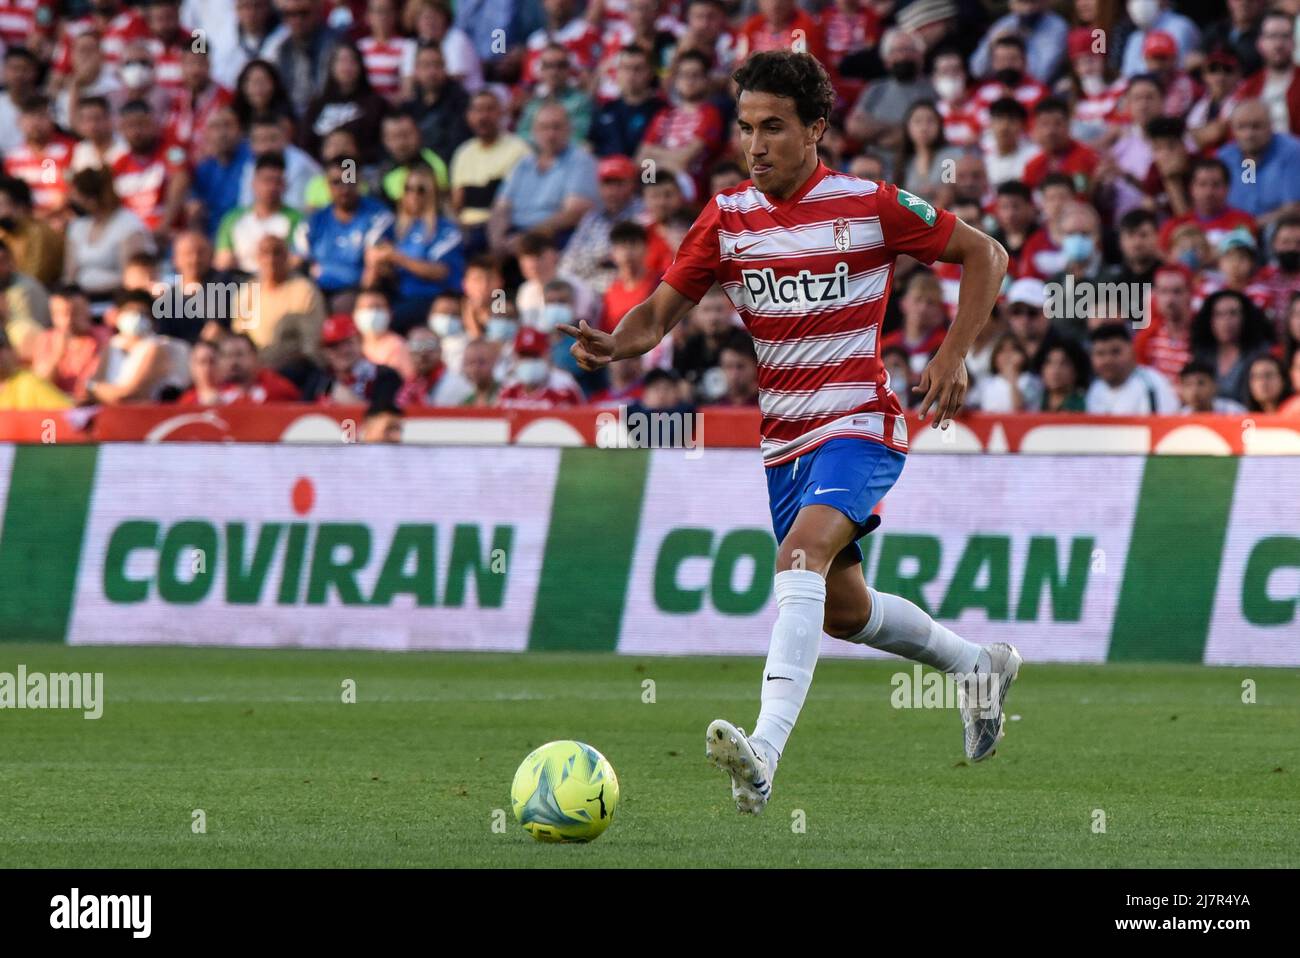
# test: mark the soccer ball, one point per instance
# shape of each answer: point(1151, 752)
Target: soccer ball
point(565, 792)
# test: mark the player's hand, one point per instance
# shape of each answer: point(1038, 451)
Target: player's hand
point(593, 348)
point(943, 387)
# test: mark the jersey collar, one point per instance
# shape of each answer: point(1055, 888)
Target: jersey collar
point(814, 178)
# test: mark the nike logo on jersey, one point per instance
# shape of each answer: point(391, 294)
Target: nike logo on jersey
point(819, 491)
point(738, 250)
point(764, 287)
point(773, 678)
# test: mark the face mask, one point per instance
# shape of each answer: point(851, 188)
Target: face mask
point(374, 321)
point(133, 324)
point(904, 72)
point(1093, 84)
point(446, 324)
point(501, 330)
point(555, 314)
point(1078, 247)
point(137, 76)
point(1143, 13)
point(1189, 259)
point(531, 372)
point(949, 87)
point(1010, 77)
point(1289, 261)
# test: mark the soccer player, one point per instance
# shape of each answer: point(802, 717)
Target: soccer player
point(807, 257)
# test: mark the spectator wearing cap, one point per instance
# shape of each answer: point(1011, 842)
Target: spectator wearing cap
point(555, 87)
point(1281, 278)
point(1149, 15)
point(587, 255)
point(1058, 152)
point(374, 319)
point(1090, 87)
point(1043, 30)
point(291, 308)
point(632, 283)
point(303, 57)
point(1007, 150)
point(433, 383)
point(1227, 332)
point(1237, 34)
point(1161, 54)
point(480, 165)
point(738, 361)
point(22, 389)
point(686, 136)
point(620, 125)
point(438, 104)
point(876, 119)
point(1210, 212)
point(1197, 391)
point(539, 261)
point(1121, 386)
point(533, 382)
point(67, 354)
point(1026, 317)
point(348, 377)
point(37, 247)
point(1273, 190)
point(1277, 83)
point(424, 256)
point(549, 190)
point(1207, 120)
point(334, 240)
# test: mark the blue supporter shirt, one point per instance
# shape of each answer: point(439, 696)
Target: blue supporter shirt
point(339, 248)
point(535, 194)
point(217, 184)
point(1277, 181)
point(442, 244)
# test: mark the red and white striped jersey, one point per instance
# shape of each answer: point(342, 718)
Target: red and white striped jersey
point(44, 170)
point(141, 181)
point(121, 30)
point(387, 62)
point(810, 276)
point(21, 19)
point(961, 122)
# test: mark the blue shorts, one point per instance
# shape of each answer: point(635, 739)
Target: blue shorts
point(851, 475)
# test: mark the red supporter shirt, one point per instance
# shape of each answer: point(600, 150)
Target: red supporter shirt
point(189, 117)
point(385, 62)
point(619, 299)
point(122, 29)
point(677, 127)
point(551, 395)
point(1076, 161)
point(1215, 227)
point(270, 386)
point(810, 276)
point(758, 35)
point(579, 37)
point(1158, 348)
point(141, 181)
point(21, 19)
point(43, 169)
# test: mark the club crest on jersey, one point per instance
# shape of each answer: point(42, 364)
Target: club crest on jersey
point(842, 239)
point(804, 288)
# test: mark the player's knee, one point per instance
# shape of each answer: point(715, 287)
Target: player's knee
point(841, 625)
point(801, 553)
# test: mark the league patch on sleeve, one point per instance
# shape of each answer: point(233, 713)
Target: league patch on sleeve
point(914, 204)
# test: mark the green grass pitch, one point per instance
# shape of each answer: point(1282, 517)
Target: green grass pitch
point(411, 775)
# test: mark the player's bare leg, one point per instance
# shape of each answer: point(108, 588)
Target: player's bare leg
point(819, 534)
point(858, 613)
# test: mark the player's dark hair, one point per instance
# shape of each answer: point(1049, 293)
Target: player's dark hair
point(627, 231)
point(1008, 107)
point(1135, 219)
point(795, 75)
point(1110, 331)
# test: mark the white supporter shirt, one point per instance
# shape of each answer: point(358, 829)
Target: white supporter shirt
point(1133, 397)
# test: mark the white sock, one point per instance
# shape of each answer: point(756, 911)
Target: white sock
point(791, 657)
point(901, 627)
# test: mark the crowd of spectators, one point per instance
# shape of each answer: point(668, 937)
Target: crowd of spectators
point(398, 202)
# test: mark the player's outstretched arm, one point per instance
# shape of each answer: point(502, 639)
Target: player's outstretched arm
point(983, 264)
point(644, 326)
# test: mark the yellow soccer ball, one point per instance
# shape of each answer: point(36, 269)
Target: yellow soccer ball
point(565, 792)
